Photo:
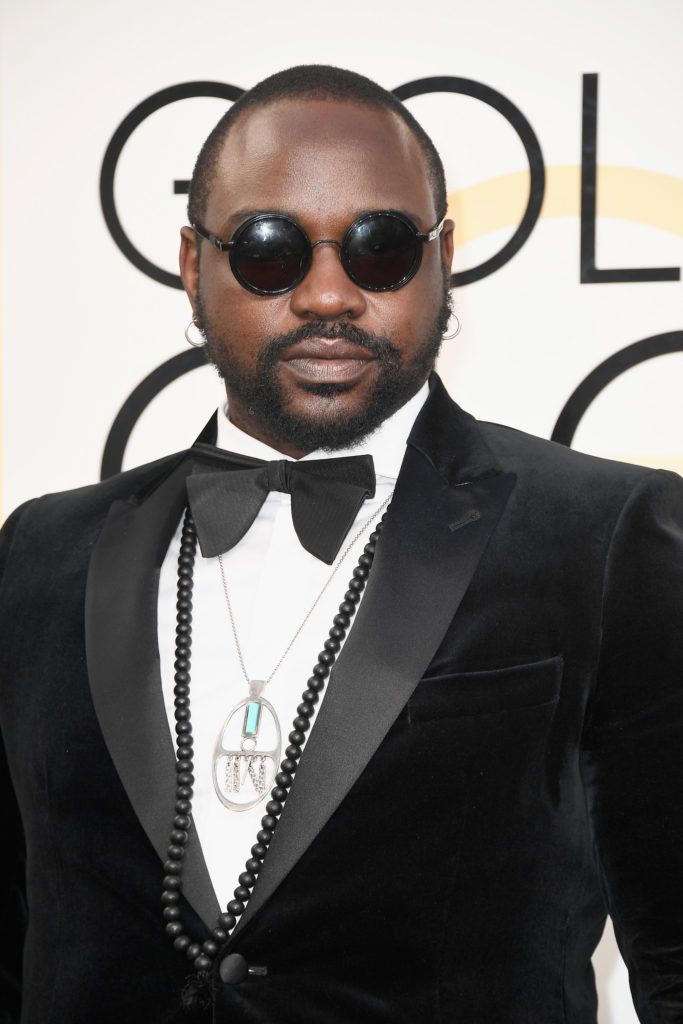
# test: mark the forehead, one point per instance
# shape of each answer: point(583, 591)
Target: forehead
point(321, 160)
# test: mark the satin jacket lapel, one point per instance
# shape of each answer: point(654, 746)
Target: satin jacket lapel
point(123, 665)
point(448, 499)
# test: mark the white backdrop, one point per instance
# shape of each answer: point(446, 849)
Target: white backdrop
point(83, 324)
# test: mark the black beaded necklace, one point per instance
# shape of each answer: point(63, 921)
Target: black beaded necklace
point(202, 956)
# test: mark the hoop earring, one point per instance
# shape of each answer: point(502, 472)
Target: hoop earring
point(449, 337)
point(188, 339)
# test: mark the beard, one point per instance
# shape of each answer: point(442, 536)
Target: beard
point(261, 392)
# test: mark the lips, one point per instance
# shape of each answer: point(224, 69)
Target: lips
point(323, 360)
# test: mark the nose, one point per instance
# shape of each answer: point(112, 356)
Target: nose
point(327, 292)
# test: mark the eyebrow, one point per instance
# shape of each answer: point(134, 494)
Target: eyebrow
point(238, 217)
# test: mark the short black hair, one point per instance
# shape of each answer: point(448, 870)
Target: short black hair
point(310, 82)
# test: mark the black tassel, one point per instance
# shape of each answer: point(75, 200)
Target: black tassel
point(196, 994)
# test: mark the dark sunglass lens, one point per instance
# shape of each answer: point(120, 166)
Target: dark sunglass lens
point(270, 254)
point(380, 252)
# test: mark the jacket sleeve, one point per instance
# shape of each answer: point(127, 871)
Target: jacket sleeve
point(12, 902)
point(633, 744)
point(13, 909)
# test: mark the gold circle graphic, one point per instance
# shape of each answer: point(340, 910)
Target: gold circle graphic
point(624, 193)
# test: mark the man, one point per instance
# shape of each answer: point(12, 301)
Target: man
point(493, 762)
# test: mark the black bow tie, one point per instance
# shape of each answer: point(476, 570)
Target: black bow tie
point(326, 496)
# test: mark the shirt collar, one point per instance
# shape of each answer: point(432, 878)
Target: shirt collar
point(386, 445)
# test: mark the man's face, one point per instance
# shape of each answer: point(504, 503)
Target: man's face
point(324, 364)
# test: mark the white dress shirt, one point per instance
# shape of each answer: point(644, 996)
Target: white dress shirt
point(273, 582)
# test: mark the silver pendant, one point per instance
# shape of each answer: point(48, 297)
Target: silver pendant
point(247, 752)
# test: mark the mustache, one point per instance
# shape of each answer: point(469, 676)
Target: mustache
point(379, 345)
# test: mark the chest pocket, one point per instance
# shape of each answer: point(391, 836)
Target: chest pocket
point(487, 691)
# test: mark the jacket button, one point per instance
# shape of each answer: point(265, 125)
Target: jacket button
point(233, 969)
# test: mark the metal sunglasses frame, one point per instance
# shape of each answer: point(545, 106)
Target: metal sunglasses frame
point(419, 236)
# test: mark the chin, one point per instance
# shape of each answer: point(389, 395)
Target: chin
point(326, 403)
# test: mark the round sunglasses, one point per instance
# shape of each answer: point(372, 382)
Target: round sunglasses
point(270, 254)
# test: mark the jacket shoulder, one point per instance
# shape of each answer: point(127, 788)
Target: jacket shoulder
point(573, 486)
point(81, 507)
point(556, 465)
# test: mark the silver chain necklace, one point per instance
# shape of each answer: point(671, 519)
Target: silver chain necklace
point(247, 750)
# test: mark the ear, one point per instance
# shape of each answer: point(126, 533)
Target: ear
point(189, 264)
point(447, 245)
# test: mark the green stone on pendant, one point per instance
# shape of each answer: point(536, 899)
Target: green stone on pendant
point(252, 717)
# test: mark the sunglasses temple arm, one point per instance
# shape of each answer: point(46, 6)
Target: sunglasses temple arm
point(434, 233)
point(203, 233)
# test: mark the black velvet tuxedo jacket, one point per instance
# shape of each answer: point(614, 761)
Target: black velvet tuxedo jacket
point(496, 765)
